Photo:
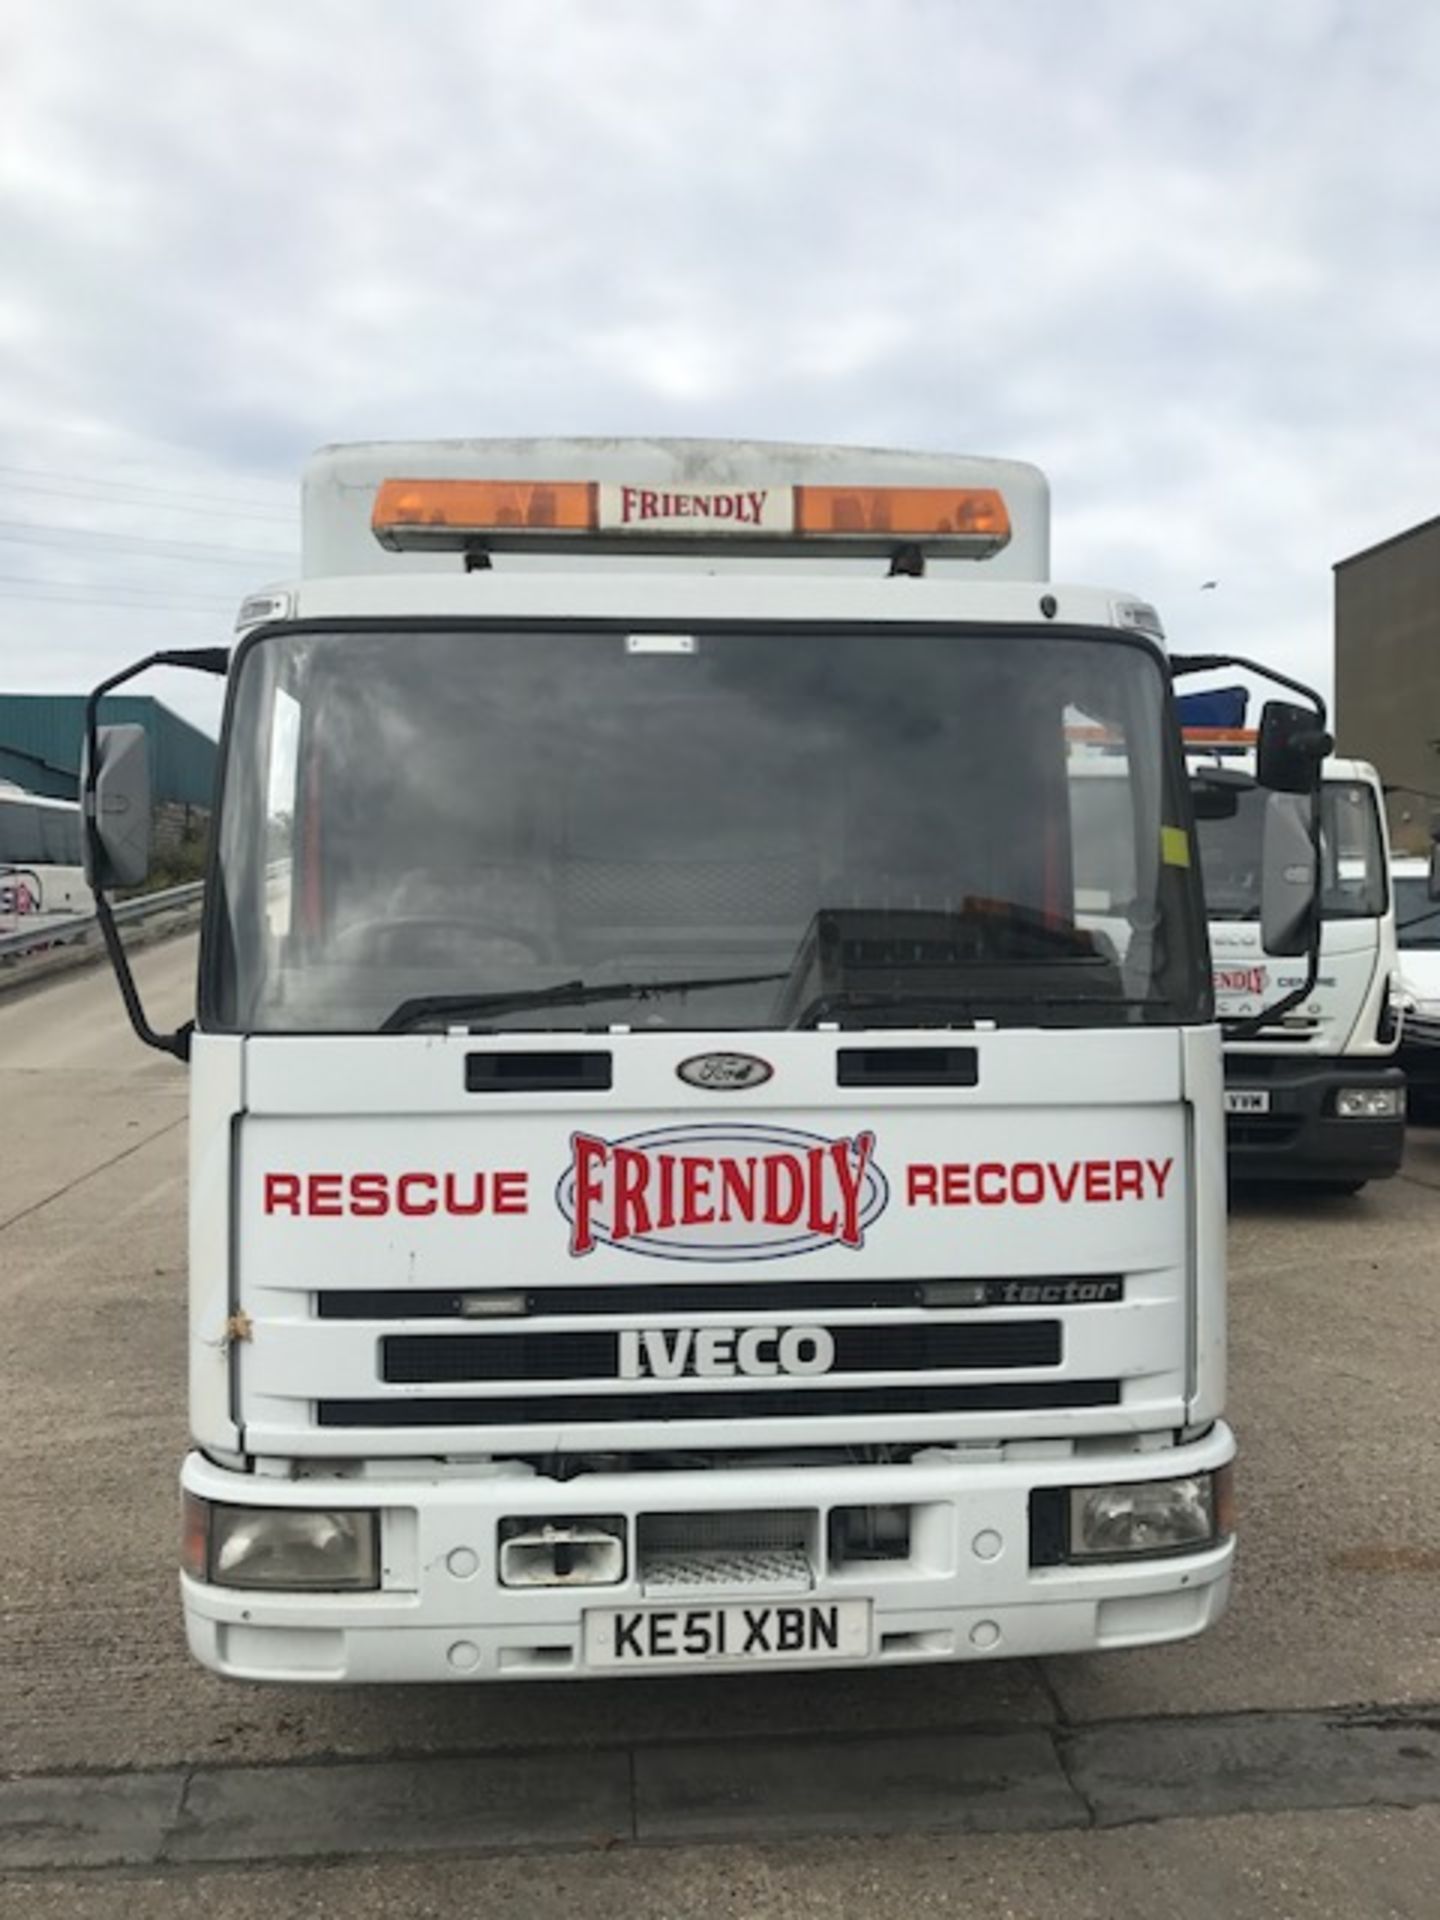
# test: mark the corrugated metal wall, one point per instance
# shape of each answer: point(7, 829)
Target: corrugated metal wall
point(40, 735)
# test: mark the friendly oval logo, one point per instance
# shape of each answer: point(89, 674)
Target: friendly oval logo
point(721, 1192)
point(725, 1072)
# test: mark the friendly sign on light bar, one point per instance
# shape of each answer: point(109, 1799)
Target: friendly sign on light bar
point(457, 513)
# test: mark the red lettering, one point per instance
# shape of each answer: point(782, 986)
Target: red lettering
point(473, 1203)
point(1129, 1180)
point(282, 1193)
point(512, 1192)
point(986, 1190)
point(425, 1183)
point(922, 1183)
point(723, 506)
point(629, 505)
point(1027, 1183)
point(784, 1167)
point(1065, 1189)
point(369, 1195)
point(955, 1184)
point(632, 1214)
point(737, 1189)
point(1160, 1171)
point(818, 1221)
point(852, 1182)
point(648, 506)
point(324, 1196)
point(695, 1210)
point(757, 507)
point(665, 1215)
point(682, 506)
point(590, 1155)
point(1097, 1181)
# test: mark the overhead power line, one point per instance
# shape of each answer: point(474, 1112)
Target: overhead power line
point(102, 493)
point(38, 533)
point(76, 593)
point(142, 486)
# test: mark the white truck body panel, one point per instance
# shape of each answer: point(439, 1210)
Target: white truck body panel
point(357, 1209)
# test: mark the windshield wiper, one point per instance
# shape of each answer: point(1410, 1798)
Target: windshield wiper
point(569, 993)
point(969, 1008)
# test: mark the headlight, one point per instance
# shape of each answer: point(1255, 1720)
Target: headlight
point(286, 1548)
point(1148, 1516)
point(1370, 1103)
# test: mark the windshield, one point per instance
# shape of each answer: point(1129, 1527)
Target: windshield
point(1417, 916)
point(739, 828)
point(1352, 861)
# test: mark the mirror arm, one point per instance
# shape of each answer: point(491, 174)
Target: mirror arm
point(1183, 663)
point(199, 659)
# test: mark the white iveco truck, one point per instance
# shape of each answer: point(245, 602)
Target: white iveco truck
point(680, 1177)
point(1312, 1094)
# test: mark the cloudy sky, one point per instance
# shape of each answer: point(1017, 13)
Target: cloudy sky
point(1185, 257)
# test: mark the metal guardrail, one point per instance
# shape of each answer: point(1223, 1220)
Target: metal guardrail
point(78, 926)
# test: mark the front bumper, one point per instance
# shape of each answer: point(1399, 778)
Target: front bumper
point(965, 1590)
point(1299, 1136)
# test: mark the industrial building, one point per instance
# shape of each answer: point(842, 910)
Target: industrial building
point(41, 734)
point(1387, 673)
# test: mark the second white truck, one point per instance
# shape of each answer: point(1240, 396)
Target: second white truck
point(1315, 1094)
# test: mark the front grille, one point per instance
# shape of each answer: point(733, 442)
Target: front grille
point(429, 1357)
point(1261, 1130)
point(765, 1403)
point(722, 1296)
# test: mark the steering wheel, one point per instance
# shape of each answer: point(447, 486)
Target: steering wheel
point(374, 936)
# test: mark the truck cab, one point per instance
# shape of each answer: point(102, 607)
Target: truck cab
point(700, 1156)
point(1314, 1095)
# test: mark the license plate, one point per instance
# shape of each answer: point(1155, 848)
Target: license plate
point(740, 1633)
point(1247, 1100)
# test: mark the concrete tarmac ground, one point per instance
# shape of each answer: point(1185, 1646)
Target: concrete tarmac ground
point(1335, 1349)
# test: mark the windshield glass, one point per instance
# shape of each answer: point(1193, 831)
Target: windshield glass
point(1352, 861)
point(859, 825)
point(1417, 916)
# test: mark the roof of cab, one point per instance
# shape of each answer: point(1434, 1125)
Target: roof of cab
point(341, 482)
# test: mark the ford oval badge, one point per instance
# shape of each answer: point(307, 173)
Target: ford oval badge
point(724, 1072)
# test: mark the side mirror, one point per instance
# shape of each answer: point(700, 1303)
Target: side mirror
point(1289, 882)
point(1215, 792)
point(1434, 886)
point(121, 784)
point(1291, 745)
point(1214, 803)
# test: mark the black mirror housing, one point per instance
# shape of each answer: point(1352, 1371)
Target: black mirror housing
point(1212, 802)
point(1291, 746)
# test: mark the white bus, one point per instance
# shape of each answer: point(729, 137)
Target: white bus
point(40, 872)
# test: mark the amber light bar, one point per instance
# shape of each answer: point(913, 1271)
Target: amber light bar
point(452, 513)
point(437, 511)
point(908, 512)
point(1219, 736)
